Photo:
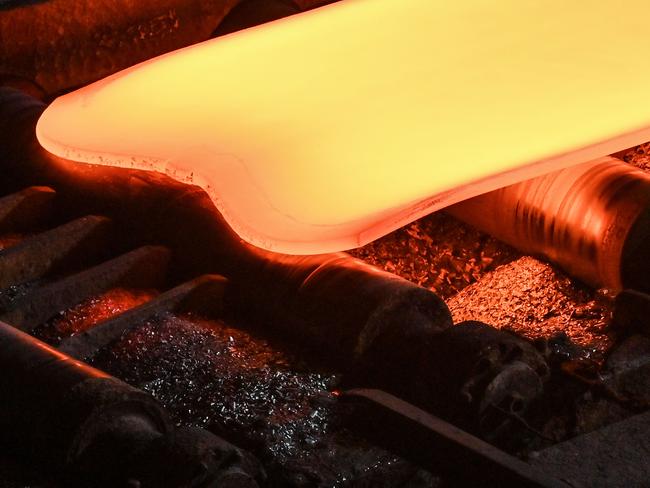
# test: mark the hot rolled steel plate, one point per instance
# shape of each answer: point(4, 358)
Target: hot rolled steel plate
point(326, 130)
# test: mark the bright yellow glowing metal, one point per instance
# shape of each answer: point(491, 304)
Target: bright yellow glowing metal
point(326, 130)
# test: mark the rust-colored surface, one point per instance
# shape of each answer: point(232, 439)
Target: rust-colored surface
point(638, 156)
point(10, 239)
point(94, 310)
point(536, 300)
point(484, 279)
point(437, 252)
point(60, 44)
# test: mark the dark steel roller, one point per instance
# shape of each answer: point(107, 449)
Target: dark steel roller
point(592, 219)
point(100, 432)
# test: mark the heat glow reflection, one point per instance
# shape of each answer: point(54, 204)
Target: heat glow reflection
point(326, 130)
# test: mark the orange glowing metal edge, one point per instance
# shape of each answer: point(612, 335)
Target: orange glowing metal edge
point(324, 131)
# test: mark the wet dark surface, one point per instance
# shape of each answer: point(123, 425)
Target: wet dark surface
point(15, 292)
point(239, 386)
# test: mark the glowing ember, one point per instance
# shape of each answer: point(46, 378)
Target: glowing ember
point(326, 130)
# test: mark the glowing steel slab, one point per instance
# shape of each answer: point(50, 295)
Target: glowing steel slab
point(326, 130)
